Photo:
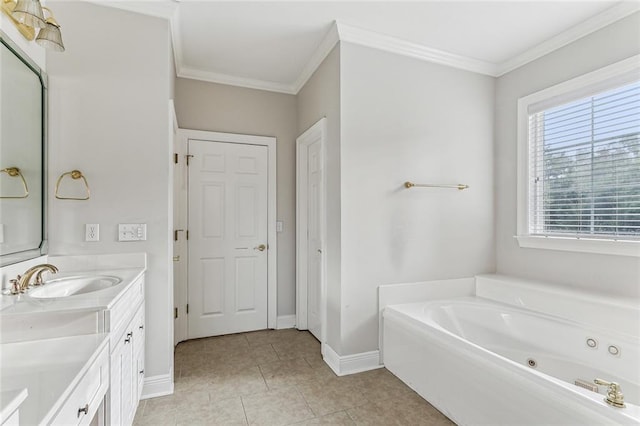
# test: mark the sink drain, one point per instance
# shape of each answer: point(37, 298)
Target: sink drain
point(532, 363)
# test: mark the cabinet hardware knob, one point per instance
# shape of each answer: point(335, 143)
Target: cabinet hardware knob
point(84, 410)
point(141, 327)
point(141, 371)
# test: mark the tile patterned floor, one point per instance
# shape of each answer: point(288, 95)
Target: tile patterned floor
point(277, 377)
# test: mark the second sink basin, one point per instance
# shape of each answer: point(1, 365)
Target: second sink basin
point(71, 286)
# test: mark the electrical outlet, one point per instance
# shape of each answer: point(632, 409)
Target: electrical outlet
point(92, 232)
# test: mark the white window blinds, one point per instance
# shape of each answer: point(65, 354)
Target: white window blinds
point(584, 167)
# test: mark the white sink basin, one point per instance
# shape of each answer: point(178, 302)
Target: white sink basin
point(72, 286)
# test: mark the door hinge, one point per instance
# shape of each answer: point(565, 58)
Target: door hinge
point(175, 313)
point(188, 157)
point(187, 309)
point(175, 158)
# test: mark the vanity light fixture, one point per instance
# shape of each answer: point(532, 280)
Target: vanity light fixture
point(27, 15)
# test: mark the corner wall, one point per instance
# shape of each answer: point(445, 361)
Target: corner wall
point(109, 95)
point(320, 97)
point(613, 275)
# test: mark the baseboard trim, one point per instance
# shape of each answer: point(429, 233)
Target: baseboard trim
point(160, 385)
point(286, 321)
point(350, 364)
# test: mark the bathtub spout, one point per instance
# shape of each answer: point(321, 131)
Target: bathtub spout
point(614, 393)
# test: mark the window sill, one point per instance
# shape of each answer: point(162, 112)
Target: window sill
point(584, 245)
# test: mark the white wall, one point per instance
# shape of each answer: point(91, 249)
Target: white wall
point(320, 97)
point(408, 120)
point(109, 96)
point(221, 108)
point(613, 275)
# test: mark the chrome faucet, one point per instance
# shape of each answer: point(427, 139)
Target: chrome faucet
point(24, 281)
point(614, 393)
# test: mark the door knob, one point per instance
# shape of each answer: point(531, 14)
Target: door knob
point(261, 247)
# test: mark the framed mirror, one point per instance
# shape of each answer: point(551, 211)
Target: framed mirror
point(23, 90)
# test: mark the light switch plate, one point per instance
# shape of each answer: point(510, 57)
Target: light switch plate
point(132, 232)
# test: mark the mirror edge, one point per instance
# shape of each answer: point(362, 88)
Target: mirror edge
point(9, 259)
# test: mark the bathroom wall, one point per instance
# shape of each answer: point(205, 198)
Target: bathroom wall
point(614, 275)
point(408, 120)
point(318, 98)
point(109, 95)
point(221, 108)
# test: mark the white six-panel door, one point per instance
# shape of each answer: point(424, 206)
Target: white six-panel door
point(228, 200)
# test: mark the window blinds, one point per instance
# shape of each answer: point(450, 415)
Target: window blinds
point(584, 167)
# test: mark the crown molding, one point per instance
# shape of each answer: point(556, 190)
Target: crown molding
point(159, 9)
point(232, 80)
point(406, 48)
point(343, 32)
point(322, 51)
point(591, 25)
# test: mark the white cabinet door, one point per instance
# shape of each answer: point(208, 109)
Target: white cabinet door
point(123, 382)
point(227, 238)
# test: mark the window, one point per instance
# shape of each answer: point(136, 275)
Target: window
point(579, 163)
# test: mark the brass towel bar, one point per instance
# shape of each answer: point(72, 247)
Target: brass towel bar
point(430, 185)
point(75, 175)
point(15, 172)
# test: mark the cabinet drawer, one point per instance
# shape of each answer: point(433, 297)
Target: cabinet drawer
point(85, 399)
point(120, 314)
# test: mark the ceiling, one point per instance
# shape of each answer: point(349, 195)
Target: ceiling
point(277, 45)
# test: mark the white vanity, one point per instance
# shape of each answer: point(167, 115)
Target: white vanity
point(76, 358)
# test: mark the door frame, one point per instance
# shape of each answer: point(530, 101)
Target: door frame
point(316, 133)
point(179, 212)
point(272, 252)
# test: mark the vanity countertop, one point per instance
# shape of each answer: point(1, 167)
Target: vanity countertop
point(97, 300)
point(48, 370)
point(10, 401)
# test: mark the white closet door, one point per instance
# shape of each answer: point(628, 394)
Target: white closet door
point(227, 238)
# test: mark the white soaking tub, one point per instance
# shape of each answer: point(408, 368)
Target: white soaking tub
point(485, 362)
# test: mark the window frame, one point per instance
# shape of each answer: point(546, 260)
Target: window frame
point(617, 74)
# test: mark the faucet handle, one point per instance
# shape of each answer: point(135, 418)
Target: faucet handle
point(615, 396)
point(15, 287)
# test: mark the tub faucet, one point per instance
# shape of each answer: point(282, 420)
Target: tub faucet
point(24, 281)
point(614, 393)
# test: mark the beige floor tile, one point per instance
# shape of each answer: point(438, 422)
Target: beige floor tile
point(329, 396)
point(295, 349)
point(280, 374)
point(276, 377)
point(263, 337)
point(238, 383)
point(278, 407)
point(227, 343)
point(224, 412)
point(156, 419)
point(341, 418)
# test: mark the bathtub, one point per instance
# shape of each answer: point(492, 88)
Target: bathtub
point(481, 361)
